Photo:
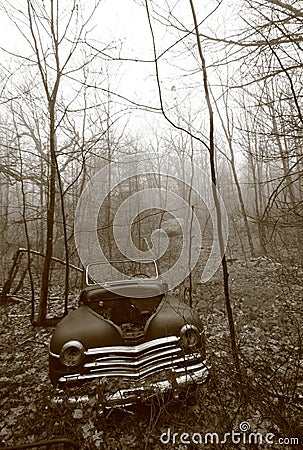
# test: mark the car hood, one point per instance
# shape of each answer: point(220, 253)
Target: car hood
point(92, 330)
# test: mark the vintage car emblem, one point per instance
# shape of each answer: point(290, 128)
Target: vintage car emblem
point(130, 336)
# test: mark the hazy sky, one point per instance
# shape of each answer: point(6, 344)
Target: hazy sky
point(123, 25)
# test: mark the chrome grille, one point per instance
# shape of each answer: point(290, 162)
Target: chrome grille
point(139, 361)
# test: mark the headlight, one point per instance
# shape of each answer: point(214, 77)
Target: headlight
point(190, 336)
point(72, 353)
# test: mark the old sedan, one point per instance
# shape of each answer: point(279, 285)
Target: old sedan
point(131, 337)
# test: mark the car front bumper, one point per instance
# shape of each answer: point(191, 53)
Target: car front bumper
point(119, 393)
point(126, 374)
point(141, 391)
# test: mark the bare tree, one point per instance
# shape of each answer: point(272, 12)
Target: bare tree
point(228, 129)
point(209, 144)
point(55, 32)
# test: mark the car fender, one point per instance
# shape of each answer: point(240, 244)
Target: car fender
point(87, 327)
point(170, 318)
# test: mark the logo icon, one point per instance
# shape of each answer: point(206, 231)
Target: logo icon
point(179, 193)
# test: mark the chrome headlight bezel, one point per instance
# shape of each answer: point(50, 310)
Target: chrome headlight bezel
point(72, 354)
point(190, 336)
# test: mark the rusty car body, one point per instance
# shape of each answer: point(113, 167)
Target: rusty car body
point(130, 337)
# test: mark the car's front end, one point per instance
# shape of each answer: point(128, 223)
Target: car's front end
point(132, 343)
point(127, 374)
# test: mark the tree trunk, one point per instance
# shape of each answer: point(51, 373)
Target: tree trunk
point(50, 220)
point(215, 196)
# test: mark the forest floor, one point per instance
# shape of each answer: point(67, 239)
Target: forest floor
point(268, 310)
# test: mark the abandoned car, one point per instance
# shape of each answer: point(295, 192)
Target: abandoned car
point(131, 337)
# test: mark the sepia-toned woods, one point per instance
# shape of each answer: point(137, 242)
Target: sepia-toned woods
point(221, 89)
